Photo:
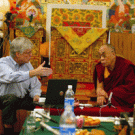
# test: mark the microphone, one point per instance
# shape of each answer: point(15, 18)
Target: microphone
point(109, 100)
point(110, 97)
point(109, 103)
point(48, 117)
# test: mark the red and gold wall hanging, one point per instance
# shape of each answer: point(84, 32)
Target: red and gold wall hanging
point(77, 32)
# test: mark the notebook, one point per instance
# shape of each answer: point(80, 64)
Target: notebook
point(56, 91)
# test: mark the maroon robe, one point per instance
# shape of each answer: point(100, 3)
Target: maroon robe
point(121, 82)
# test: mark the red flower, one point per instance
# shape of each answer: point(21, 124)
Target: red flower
point(14, 10)
point(17, 8)
point(11, 8)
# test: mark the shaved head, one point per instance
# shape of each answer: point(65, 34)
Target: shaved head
point(109, 46)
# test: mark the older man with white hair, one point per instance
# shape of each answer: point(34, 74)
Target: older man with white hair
point(19, 85)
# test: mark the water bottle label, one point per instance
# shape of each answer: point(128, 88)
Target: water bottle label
point(69, 101)
point(67, 130)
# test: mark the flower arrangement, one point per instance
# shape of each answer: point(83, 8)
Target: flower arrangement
point(31, 13)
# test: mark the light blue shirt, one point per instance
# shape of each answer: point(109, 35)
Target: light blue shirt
point(15, 79)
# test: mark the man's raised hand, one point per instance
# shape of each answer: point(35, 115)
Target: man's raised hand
point(40, 71)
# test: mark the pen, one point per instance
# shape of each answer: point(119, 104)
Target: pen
point(48, 117)
point(44, 125)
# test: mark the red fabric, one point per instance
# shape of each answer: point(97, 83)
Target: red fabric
point(106, 111)
point(85, 86)
point(54, 111)
point(94, 111)
point(121, 82)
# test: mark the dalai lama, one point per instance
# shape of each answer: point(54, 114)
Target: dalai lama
point(114, 74)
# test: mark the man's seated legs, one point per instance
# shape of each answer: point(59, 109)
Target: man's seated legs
point(9, 104)
point(26, 103)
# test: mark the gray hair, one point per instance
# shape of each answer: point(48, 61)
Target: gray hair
point(111, 47)
point(20, 44)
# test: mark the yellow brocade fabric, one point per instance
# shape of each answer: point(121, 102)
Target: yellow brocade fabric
point(79, 44)
point(106, 73)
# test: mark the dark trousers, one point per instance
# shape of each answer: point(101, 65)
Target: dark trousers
point(10, 103)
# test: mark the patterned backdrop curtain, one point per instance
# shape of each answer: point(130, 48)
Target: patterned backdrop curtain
point(77, 34)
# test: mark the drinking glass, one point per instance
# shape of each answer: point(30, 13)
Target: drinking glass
point(46, 112)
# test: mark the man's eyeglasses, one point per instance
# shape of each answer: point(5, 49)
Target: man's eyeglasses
point(28, 52)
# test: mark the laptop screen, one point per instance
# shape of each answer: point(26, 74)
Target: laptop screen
point(56, 91)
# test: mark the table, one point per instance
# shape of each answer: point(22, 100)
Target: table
point(107, 127)
point(89, 111)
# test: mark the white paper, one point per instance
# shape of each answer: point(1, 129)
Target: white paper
point(38, 110)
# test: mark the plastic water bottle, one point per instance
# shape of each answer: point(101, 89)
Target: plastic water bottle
point(31, 124)
point(67, 122)
point(69, 97)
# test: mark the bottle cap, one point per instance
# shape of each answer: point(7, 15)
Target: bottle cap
point(69, 86)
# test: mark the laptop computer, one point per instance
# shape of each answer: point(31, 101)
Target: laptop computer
point(56, 91)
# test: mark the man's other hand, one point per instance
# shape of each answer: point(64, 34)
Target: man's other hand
point(101, 100)
point(36, 98)
point(101, 92)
